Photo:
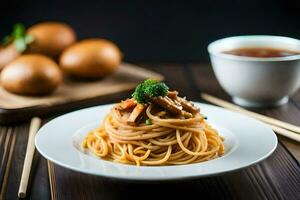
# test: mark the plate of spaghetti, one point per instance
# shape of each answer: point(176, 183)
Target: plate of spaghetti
point(155, 135)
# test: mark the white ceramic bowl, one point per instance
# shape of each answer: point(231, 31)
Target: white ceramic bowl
point(256, 82)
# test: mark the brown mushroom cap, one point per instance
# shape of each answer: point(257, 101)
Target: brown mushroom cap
point(91, 58)
point(50, 38)
point(7, 54)
point(31, 75)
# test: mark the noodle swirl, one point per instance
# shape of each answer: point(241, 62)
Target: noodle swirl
point(167, 141)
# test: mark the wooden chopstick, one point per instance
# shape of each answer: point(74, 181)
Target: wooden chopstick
point(286, 133)
point(34, 126)
point(8, 160)
point(5, 154)
point(52, 182)
point(261, 117)
point(283, 128)
point(2, 144)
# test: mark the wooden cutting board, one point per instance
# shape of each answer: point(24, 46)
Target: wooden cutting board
point(16, 107)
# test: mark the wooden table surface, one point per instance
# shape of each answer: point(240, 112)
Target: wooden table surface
point(278, 177)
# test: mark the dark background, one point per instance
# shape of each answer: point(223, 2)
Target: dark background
point(176, 31)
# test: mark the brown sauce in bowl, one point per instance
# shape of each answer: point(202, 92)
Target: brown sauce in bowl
point(261, 52)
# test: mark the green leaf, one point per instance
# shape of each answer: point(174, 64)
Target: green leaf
point(20, 44)
point(18, 31)
point(18, 37)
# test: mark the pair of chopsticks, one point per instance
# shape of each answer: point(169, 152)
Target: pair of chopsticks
point(283, 128)
point(7, 143)
point(34, 126)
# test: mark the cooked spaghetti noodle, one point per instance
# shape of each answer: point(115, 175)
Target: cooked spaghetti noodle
point(168, 140)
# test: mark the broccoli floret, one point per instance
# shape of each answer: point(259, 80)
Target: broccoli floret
point(149, 88)
point(158, 89)
point(149, 82)
point(138, 94)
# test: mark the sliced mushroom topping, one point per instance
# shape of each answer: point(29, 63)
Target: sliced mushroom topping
point(127, 104)
point(187, 105)
point(137, 111)
point(167, 103)
point(171, 105)
point(172, 94)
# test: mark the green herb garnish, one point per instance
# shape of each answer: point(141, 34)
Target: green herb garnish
point(18, 37)
point(149, 88)
point(148, 122)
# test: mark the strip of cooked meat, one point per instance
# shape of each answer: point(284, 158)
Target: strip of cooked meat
point(139, 108)
point(187, 105)
point(166, 103)
point(170, 105)
point(172, 94)
point(127, 104)
point(186, 114)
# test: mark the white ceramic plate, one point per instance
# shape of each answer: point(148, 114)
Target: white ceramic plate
point(247, 141)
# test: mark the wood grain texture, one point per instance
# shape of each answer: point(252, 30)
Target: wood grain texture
point(38, 187)
point(7, 160)
point(52, 180)
point(264, 181)
point(275, 178)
